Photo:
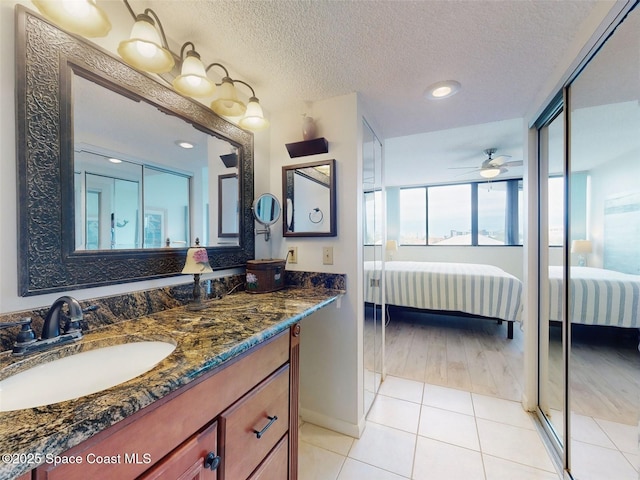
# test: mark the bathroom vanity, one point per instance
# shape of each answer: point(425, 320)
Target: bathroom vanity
point(223, 405)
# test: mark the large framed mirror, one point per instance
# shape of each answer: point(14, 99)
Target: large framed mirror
point(309, 193)
point(106, 193)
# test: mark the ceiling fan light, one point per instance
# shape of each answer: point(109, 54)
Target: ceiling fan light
point(83, 17)
point(228, 104)
point(143, 50)
point(193, 80)
point(490, 172)
point(254, 117)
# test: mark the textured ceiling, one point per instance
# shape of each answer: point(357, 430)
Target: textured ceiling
point(292, 52)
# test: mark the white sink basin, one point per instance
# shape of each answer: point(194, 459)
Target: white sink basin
point(80, 374)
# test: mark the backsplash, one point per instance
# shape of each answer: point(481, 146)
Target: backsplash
point(331, 281)
point(118, 308)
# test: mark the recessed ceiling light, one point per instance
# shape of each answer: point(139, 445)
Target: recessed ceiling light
point(184, 144)
point(115, 160)
point(443, 89)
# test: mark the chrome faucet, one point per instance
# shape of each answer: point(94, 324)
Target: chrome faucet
point(26, 341)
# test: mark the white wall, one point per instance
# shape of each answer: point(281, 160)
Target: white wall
point(331, 349)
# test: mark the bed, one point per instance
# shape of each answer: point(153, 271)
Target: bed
point(474, 289)
point(597, 297)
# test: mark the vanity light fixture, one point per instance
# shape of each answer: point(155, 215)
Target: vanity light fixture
point(83, 17)
point(115, 160)
point(443, 89)
point(147, 49)
point(197, 263)
point(254, 117)
point(193, 80)
point(227, 104)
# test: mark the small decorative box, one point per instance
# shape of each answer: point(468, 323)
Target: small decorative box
point(265, 275)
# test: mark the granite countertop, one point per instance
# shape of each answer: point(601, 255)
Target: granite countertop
point(204, 340)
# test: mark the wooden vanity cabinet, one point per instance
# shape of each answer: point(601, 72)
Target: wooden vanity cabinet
point(213, 420)
point(253, 426)
point(195, 459)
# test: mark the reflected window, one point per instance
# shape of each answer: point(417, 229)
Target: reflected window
point(556, 211)
point(373, 218)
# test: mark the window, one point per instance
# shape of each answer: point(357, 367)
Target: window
point(482, 213)
point(413, 219)
point(449, 215)
point(492, 213)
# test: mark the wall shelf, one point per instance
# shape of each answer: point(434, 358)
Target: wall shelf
point(308, 147)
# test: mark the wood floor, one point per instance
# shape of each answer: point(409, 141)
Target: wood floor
point(475, 355)
point(461, 353)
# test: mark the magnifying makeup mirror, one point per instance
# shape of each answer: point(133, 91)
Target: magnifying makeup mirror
point(266, 210)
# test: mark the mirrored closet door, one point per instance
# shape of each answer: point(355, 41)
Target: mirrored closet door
point(373, 239)
point(603, 254)
point(589, 282)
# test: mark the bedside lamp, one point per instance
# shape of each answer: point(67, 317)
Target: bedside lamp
point(582, 248)
point(391, 246)
point(197, 263)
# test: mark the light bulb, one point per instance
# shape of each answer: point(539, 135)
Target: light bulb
point(77, 8)
point(147, 50)
point(441, 92)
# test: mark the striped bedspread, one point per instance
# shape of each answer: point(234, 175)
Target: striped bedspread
point(484, 290)
point(597, 297)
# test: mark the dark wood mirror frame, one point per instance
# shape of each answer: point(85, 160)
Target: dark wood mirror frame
point(46, 58)
point(287, 192)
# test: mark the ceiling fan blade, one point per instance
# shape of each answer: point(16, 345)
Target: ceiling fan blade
point(458, 168)
point(515, 163)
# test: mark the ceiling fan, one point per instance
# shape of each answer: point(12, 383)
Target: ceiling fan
point(493, 166)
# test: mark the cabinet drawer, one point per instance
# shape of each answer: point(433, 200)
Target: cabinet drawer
point(252, 427)
point(188, 460)
point(276, 465)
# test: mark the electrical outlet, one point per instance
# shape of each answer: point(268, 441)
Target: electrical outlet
point(293, 254)
point(327, 255)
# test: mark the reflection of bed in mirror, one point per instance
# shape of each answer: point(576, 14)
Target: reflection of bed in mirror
point(483, 291)
point(597, 297)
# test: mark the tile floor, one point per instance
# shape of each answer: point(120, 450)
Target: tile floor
point(422, 431)
point(602, 449)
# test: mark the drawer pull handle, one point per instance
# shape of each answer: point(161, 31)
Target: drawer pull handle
point(211, 461)
point(261, 432)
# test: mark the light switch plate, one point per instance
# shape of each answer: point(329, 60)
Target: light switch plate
point(293, 254)
point(327, 255)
